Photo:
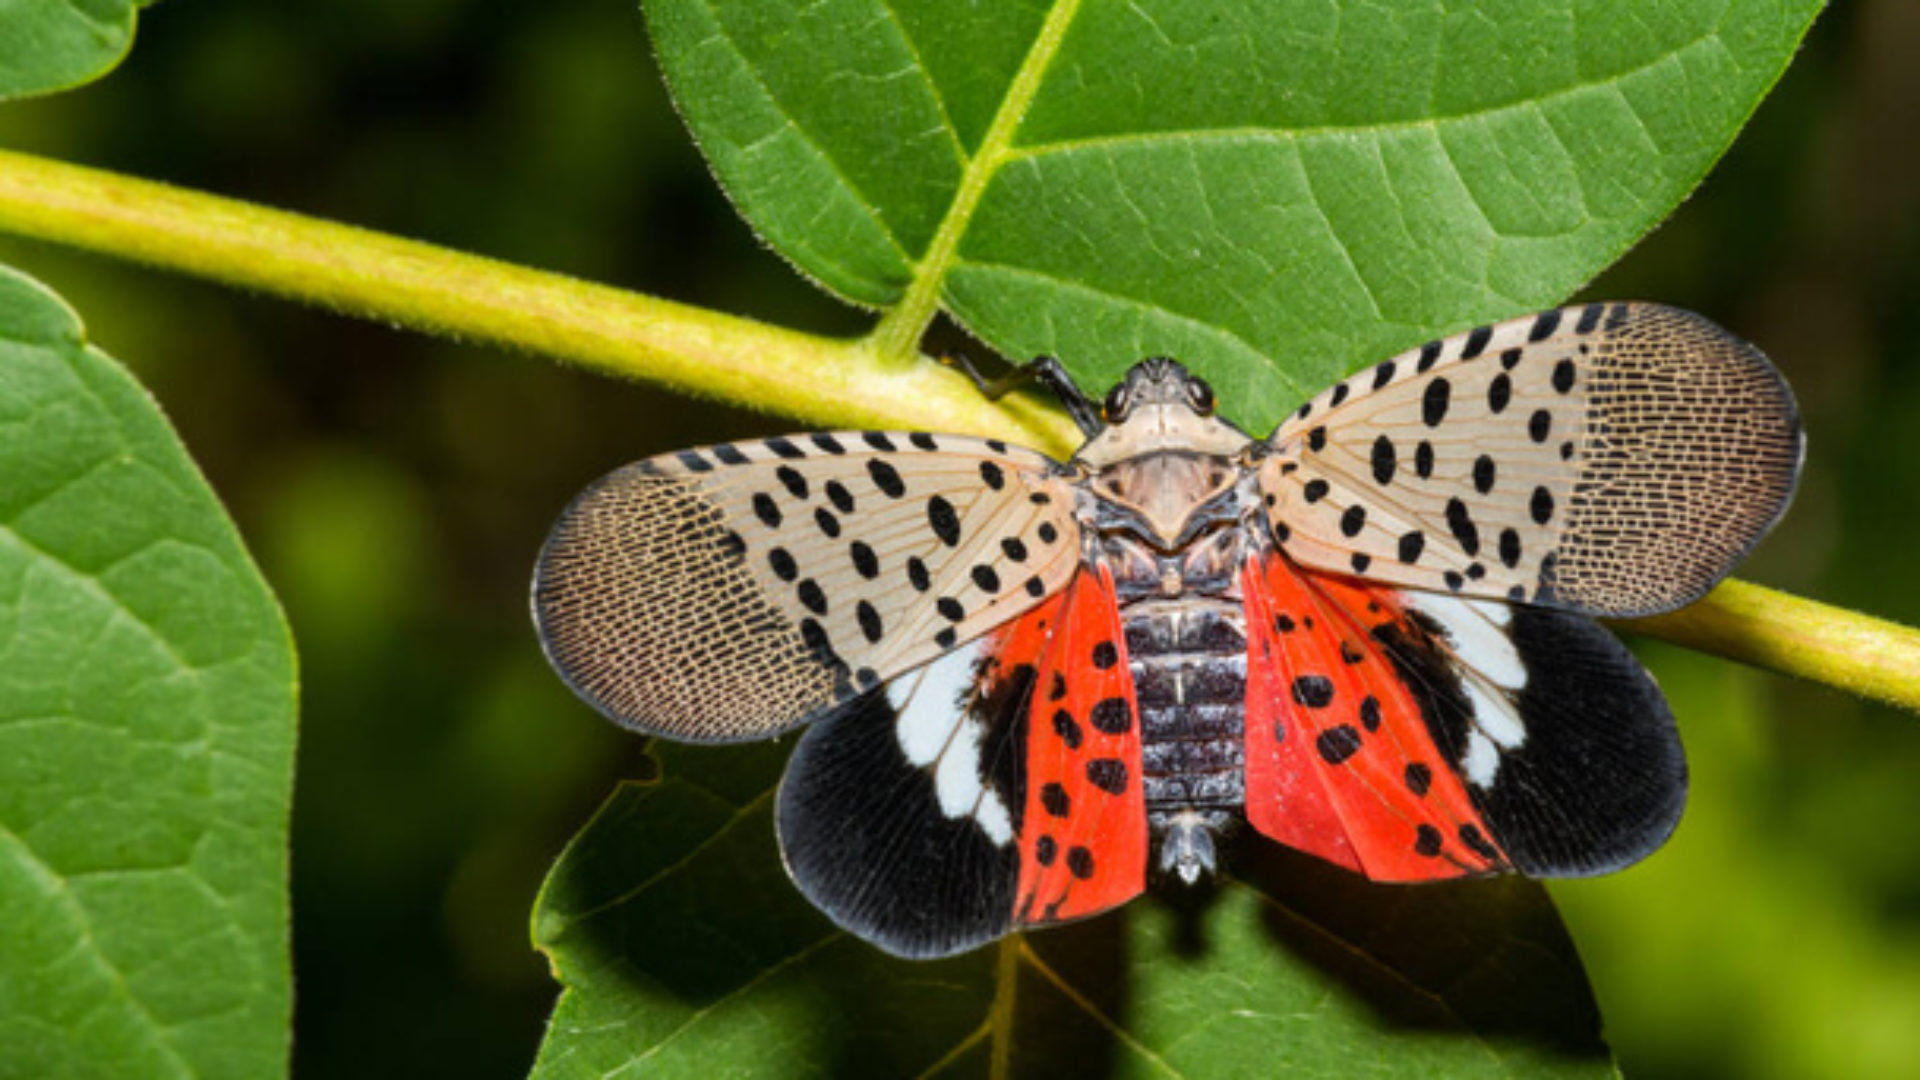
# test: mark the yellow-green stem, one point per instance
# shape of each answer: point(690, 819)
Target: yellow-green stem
point(815, 380)
point(1860, 654)
point(822, 381)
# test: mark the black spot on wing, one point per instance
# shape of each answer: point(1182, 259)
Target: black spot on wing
point(1429, 355)
point(1336, 744)
point(1384, 460)
point(791, 479)
point(945, 522)
point(1484, 473)
point(1434, 402)
point(886, 478)
point(1460, 521)
point(766, 510)
point(1499, 392)
point(871, 626)
point(1411, 545)
point(1108, 774)
point(784, 447)
point(1427, 840)
point(1477, 340)
point(1080, 862)
point(1055, 800)
point(1113, 716)
point(1313, 691)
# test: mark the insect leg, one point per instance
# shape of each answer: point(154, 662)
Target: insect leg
point(1046, 371)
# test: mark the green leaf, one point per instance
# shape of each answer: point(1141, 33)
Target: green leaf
point(50, 45)
point(146, 735)
point(686, 952)
point(1276, 193)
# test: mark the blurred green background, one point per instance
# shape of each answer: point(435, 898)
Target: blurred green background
point(395, 489)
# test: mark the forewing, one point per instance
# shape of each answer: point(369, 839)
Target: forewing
point(1454, 736)
point(735, 591)
point(1612, 459)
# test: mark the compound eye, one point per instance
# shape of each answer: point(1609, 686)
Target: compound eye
point(1114, 408)
point(1200, 396)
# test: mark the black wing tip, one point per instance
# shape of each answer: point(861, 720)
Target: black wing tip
point(1602, 748)
point(863, 838)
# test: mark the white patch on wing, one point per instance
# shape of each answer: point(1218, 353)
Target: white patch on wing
point(1477, 631)
point(930, 703)
point(1495, 715)
point(936, 732)
point(994, 819)
point(1481, 761)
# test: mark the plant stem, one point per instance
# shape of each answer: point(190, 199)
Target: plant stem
point(821, 381)
point(1857, 653)
point(815, 380)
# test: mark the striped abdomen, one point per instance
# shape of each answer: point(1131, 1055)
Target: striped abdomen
point(1189, 661)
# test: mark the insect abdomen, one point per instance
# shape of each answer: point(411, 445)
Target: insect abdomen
point(1189, 662)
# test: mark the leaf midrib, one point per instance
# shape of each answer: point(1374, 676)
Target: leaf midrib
point(897, 336)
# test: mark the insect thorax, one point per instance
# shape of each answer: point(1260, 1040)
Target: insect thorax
point(1173, 527)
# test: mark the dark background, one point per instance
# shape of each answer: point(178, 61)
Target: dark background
point(395, 489)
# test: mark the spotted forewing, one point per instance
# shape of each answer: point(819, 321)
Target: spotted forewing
point(736, 591)
point(1612, 459)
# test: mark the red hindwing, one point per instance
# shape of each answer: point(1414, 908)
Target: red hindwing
point(1083, 837)
point(1340, 761)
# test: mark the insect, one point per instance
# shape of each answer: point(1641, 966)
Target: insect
point(1029, 686)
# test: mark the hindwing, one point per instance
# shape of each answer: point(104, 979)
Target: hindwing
point(735, 591)
point(996, 786)
point(899, 810)
point(1412, 736)
point(1084, 848)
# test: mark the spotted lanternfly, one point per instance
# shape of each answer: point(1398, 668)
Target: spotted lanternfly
point(1030, 685)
